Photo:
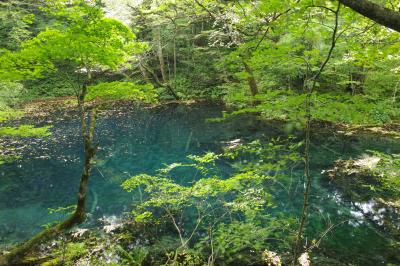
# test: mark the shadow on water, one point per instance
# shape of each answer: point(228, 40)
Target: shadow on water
point(142, 141)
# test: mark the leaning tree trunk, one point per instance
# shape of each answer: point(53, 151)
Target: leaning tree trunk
point(376, 12)
point(20, 251)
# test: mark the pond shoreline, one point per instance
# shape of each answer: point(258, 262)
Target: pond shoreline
point(65, 107)
point(171, 126)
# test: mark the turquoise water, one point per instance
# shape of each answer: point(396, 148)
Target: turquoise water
point(142, 141)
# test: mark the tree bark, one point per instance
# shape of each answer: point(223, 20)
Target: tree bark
point(90, 151)
point(161, 55)
point(158, 83)
point(175, 63)
point(382, 15)
point(250, 78)
point(17, 253)
point(143, 70)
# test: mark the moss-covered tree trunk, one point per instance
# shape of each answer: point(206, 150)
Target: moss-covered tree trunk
point(251, 80)
point(19, 252)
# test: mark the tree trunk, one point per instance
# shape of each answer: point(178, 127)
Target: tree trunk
point(250, 79)
point(307, 158)
point(90, 151)
point(161, 55)
point(175, 31)
point(382, 15)
point(157, 82)
point(17, 253)
point(143, 70)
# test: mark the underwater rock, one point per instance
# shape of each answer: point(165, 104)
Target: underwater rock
point(79, 232)
point(343, 169)
point(233, 143)
point(366, 185)
point(112, 223)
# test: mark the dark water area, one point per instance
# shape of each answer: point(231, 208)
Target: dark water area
point(143, 140)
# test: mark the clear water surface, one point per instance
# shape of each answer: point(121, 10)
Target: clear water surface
point(142, 141)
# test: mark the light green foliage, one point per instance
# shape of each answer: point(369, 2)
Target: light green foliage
point(218, 50)
point(15, 22)
point(122, 91)
point(83, 39)
point(274, 156)
point(73, 251)
point(135, 257)
point(25, 131)
point(6, 159)
point(68, 254)
point(232, 212)
point(22, 65)
point(204, 48)
point(236, 237)
point(10, 93)
point(353, 110)
point(8, 114)
point(18, 132)
point(388, 172)
point(358, 86)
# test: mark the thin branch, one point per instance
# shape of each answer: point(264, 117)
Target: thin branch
point(307, 173)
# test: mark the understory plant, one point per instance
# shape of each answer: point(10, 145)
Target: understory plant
point(206, 217)
point(328, 107)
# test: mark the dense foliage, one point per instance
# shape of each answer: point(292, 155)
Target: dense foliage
point(301, 63)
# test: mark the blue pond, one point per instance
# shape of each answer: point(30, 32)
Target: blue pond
point(143, 140)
